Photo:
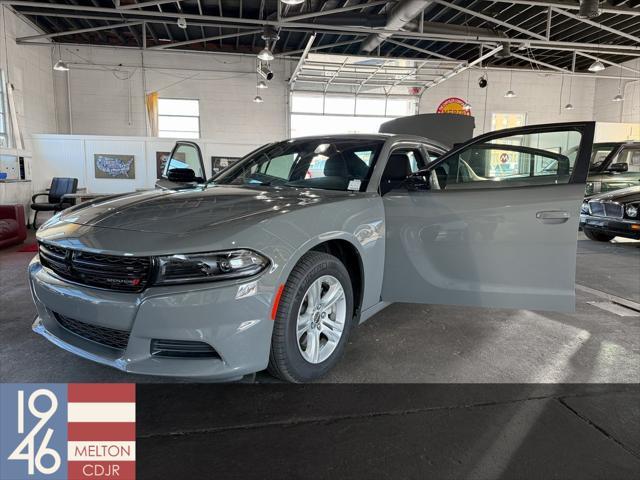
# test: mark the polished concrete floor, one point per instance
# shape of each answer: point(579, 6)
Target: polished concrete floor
point(599, 343)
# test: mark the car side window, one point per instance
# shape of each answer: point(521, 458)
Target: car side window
point(630, 156)
point(402, 162)
point(185, 156)
point(518, 160)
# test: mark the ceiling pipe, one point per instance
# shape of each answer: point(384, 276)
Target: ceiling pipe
point(398, 18)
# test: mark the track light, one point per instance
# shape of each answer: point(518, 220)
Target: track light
point(265, 72)
point(568, 106)
point(182, 22)
point(61, 66)
point(262, 84)
point(292, 2)
point(258, 99)
point(265, 55)
point(596, 66)
point(617, 98)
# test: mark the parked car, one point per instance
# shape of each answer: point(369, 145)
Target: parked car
point(612, 214)
point(264, 266)
point(613, 166)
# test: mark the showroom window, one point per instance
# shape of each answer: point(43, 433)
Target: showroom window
point(4, 129)
point(317, 113)
point(178, 118)
point(507, 120)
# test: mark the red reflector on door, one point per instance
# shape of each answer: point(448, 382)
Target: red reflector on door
point(276, 302)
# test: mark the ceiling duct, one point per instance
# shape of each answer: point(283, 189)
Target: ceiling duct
point(398, 18)
point(589, 9)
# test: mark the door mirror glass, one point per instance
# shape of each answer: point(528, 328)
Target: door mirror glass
point(618, 167)
point(185, 164)
point(535, 158)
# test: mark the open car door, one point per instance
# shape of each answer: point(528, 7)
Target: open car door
point(184, 167)
point(491, 223)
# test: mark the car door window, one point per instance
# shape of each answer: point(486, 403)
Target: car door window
point(186, 156)
point(402, 162)
point(518, 160)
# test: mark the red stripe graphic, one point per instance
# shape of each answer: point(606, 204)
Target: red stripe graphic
point(102, 392)
point(98, 432)
point(101, 470)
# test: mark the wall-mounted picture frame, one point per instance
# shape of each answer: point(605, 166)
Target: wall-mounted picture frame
point(220, 163)
point(114, 167)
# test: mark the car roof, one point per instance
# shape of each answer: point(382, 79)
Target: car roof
point(372, 136)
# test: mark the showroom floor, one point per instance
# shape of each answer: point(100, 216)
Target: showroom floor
point(599, 343)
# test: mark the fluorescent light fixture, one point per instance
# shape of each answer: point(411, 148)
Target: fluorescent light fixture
point(258, 99)
point(265, 55)
point(596, 66)
point(510, 94)
point(568, 106)
point(618, 98)
point(262, 84)
point(61, 66)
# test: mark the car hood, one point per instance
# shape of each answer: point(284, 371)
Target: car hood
point(187, 211)
point(623, 195)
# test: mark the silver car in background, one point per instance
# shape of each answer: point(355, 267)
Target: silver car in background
point(270, 266)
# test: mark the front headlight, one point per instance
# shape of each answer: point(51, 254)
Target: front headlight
point(208, 267)
point(632, 211)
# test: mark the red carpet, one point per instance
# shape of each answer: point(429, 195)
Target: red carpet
point(31, 247)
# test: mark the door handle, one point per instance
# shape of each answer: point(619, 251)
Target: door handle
point(553, 216)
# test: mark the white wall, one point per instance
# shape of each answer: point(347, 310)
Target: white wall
point(73, 156)
point(28, 68)
point(537, 95)
point(628, 111)
point(109, 100)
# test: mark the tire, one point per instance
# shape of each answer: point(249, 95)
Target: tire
point(287, 357)
point(597, 236)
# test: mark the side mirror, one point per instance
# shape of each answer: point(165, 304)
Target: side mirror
point(417, 183)
point(181, 175)
point(618, 167)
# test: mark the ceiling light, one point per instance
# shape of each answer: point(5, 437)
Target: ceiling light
point(262, 84)
point(596, 66)
point(466, 107)
point(258, 99)
point(292, 2)
point(265, 55)
point(589, 9)
point(568, 106)
point(61, 66)
point(510, 94)
point(618, 98)
point(182, 22)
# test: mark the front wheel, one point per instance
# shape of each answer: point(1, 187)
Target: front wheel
point(314, 319)
point(597, 236)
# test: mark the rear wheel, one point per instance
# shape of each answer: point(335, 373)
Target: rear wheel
point(597, 236)
point(314, 319)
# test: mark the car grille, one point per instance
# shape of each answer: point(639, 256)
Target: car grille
point(126, 274)
point(605, 209)
point(109, 337)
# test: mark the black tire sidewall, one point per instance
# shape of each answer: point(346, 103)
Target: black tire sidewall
point(597, 236)
point(296, 365)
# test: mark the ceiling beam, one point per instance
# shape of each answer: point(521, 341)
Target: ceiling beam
point(206, 39)
point(418, 49)
point(328, 45)
point(151, 3)
point(613, 64)
point(457, 70)
point(597, 25)
point(538, 62)
point(567, 5)
point(490, 19)
point(80, 30)
point(320, 13)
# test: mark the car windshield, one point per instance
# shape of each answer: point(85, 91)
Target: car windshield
point(599, 154)
point(326, 163)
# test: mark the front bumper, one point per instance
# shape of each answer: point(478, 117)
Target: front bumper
point(238, 329)
point(618, 227)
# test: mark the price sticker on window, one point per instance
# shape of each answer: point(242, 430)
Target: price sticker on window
point(354, 185)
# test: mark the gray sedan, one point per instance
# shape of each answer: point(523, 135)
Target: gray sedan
point(274, 261)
